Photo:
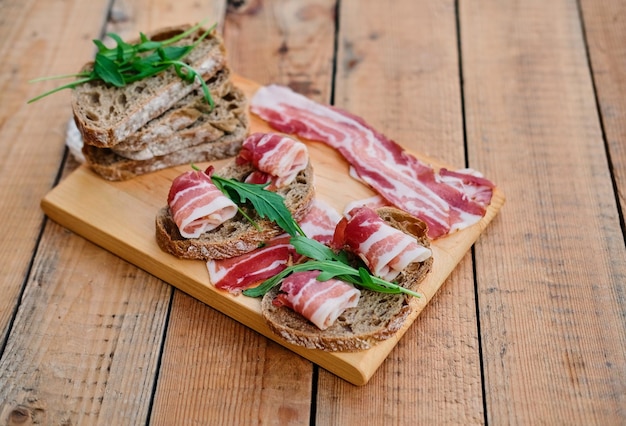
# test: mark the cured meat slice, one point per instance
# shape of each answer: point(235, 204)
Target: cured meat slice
point(319, 223)
point(399, 177)
point(321, 302)
point(242, 272)
point(385, 250)
point(197, 205)
point(239, 273)
point(277, 158)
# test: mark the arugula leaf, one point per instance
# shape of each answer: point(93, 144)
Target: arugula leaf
point(126, 63)
point(331, 269)
point(330, 265)
point(267, 204)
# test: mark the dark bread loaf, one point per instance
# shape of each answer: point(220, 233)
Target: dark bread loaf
point(237, 235)
point(377, 316)
point(107, 115)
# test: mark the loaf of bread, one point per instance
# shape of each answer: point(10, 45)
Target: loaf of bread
point(107, 115)
point(376, 317)
point(237, 235)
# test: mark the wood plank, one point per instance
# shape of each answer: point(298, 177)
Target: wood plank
point(269, 381)
point(33, 43)
point(266, 382)
point(398, 67)
point(86, 341)
point(551, 293)
point(605, 28)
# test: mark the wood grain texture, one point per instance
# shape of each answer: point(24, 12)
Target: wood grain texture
point(407, 84)
point(604, 23)
point(264, 382)
point(86, 340)
point(284, 42)
point(56, 371)
point(551, 294)
point(32, 45)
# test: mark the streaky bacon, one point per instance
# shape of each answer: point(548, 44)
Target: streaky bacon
point(384, 249)
point(245, 271)
point(398, 176)
point(321, 302)
point(197, 205)
point(239, 273)
point(277, 157)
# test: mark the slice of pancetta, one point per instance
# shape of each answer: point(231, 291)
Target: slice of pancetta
point(385, 250)
point(197, 205)
point(245, 271)
point(321, 302)
point(277, 158)
point(397, 175)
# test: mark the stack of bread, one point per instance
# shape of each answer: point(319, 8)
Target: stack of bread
point(162, 121)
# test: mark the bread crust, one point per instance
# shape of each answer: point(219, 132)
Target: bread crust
point(376, 317)
point(236, 236)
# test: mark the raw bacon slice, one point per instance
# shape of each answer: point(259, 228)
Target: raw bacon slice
point(321, 302)
point(278, 156)
point(197, 205)
point(241, 272)
point(319, 223)
point(384, 249)
point(399, 177)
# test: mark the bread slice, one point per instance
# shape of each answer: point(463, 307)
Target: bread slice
point(189, 122)
point(112, 166)
point(107, 115)
point(237, 235)
point(377, 316)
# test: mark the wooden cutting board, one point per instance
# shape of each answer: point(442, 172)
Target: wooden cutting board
point(119, 216)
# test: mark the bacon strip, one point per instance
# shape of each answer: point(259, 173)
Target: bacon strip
point(399, 177)
point(239, 273)
point(276, 157)
point(321, 302)
point(245, 271)
point(197, 205)
point(385, 250)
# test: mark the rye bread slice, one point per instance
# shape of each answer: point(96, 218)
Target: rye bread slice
point(376, 317)
point(237, 235)
point(189, 122)
point(112, 166)
point(106, 115)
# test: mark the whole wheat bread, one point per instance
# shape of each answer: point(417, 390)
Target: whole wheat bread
point(189, 122)
point(107, 115)
point(376, 317)
point(237, 235)
point(112, 166)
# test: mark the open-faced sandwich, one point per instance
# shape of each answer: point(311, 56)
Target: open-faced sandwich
point(326, 282)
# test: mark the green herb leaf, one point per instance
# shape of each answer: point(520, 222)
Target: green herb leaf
point(332, 269)
point(267, 204)
point(126, 63)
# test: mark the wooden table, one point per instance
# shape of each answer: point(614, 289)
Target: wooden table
point(530, 328)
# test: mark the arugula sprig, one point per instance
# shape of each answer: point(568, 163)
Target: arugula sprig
point(126, 63)
point(267, 204)
point(331, 265)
